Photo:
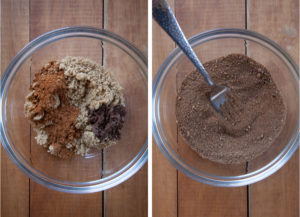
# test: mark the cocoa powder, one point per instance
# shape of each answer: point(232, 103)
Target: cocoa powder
point(107, 121)
point(51, 110)
point(251, 120)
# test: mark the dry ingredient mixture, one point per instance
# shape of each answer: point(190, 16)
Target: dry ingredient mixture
point(75, 106)
point(251, 119)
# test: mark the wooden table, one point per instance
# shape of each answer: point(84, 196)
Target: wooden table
point(176, 195)
point(22, 21)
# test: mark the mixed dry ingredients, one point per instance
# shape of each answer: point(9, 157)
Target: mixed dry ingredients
point(251, 119)
point(75, 105)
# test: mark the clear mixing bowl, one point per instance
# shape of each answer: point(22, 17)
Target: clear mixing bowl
point(97, 171)
point(209, 45)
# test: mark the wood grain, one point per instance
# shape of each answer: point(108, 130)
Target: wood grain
point(164, 176)
point(130, 22)
point(45, 16)
point(277, 195)
point(14, 184)
point(22, 21)
point(197, 199)
point(129, 198)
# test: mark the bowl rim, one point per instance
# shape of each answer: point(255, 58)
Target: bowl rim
point(49, 37)
point(173, 157)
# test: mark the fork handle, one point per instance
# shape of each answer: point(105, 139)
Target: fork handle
point(164, 16)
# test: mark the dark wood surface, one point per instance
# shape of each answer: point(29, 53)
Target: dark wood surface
point(176, 195)
point(22, 21)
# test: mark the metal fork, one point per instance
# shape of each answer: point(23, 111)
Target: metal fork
point(164, 16)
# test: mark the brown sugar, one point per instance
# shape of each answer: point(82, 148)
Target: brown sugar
point(51, 111)
point(251, 119)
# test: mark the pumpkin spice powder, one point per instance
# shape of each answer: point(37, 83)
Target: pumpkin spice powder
point(52, 106)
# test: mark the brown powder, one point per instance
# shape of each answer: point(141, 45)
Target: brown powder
point(252, 118)
point(51, 111)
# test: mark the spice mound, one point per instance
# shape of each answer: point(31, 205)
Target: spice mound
point(75, 106)
point(251, 119)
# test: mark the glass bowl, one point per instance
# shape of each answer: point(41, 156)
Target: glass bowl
point(209, 45)
point(97, 171)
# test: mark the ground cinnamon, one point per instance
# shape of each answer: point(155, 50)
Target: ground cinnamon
point(51, 109)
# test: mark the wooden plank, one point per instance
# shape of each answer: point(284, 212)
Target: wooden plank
point(129, 20)
point(277, 195)
point(194, 198)
point(164, 175)
point(46, 16)
point(164, 188)
point(14, 35)
point(128, 198)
